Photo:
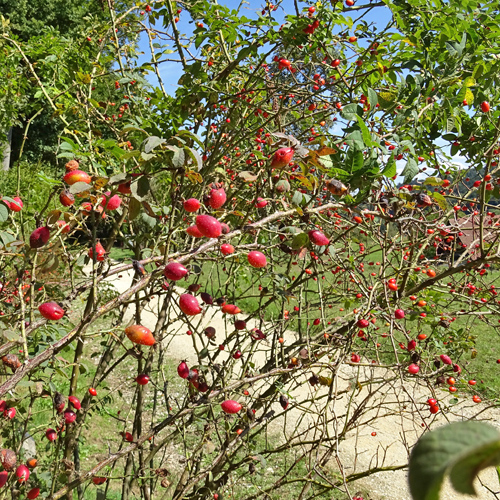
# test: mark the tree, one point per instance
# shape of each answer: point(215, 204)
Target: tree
point(262, 196)
point(47, 30)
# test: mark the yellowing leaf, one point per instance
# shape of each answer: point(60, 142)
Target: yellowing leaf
point(406, 40)
point(100, 182)
point(325, 151)
point(194, 177)
point(304, 180)
point(470, 81)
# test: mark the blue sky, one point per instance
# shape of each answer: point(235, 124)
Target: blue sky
point(171, 72)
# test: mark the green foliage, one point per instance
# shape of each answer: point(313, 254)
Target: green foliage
point(460, 450)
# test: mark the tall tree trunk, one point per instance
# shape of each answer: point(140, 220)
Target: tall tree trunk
point(6, 149)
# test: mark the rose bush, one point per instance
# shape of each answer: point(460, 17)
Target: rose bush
point(263, 195)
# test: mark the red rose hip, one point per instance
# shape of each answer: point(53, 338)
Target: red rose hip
point(257, 259)
point(318, 238)
point(230, 406)
point(282, 157)
point(227, 249)
point(174, 271)
point(51, 311)
point(399, 314)
point(191, 205)
point(139, 334)
point(39, 237)
point(208, 226)
point(189, 305)
point(217, 198)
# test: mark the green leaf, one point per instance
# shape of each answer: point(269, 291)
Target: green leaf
point(440, 200)
point(367, 137)
point(179, 158)
point(152, 142)
point(134, 208)
point(410, 171)
point(462, 448)
point(433, 181)
point(4, 212)
point(118, 178)
point(140, 189)
point(478, 71)
point(68, 144)
point(299, 241)
point(390, 169)
point(7, 237)
point(350, 111)
point(150, 221)
point(357, 161)
point(297, 198)
point(79, 187)
point(372, 98)
point(196, 157)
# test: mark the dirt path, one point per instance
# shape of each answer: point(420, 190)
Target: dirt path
point(395, 433)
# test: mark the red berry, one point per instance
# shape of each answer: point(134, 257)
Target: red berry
point(191, 205)
point(124, 188)
point(183, 370)
point(4, 476)
point(257, 259)
point(22, 473)
point(194, 231)
point(227, 249)
point(77, 176)
point(92, 392)
point(399, 314)
point(189, 305)
point(446, 359)
point(217, 198)
point(33, 493)
point(231, 406)
point(174, 271)
point(75, 402)
point(363, 323)
point(318, 238)
point(282, 157)
point(230, 309)
point(413, 369)
point(139, 334)
point(113, 203)
point(51, 311)
point(69, 416)
point(100, 252)
point(261, 203)
point(485, 106)
point(142, 379)
point(51, 434)
point(434, 409)
point(208, 226)
point(9, 413)
point(39, 237)
point(16, 205)
point(240, 324)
